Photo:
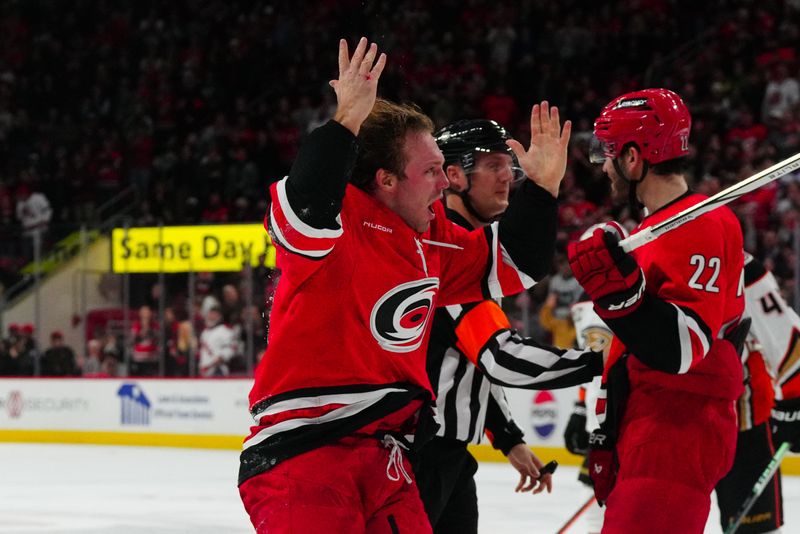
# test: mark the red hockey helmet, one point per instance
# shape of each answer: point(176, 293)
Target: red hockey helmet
point(656, 120)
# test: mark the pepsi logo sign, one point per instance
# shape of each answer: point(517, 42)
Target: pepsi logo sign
point(544, 414)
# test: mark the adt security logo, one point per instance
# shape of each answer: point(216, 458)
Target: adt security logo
point(14, 404)
point(134, 405)
point(544, 414)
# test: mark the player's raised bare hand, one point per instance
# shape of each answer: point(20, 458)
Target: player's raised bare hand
point(357, 85)
point(545, 161)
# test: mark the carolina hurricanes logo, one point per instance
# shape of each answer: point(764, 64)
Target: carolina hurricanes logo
point(399, 318)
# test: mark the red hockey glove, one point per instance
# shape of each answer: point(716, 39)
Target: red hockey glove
point(611, 277)
point(603, 465)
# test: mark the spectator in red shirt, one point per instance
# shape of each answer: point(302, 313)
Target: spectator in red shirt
point(144, 358)
point(215, 211)
point(499, 106)
point(747, 132)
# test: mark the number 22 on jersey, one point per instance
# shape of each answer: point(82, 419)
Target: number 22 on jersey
point(705, 269)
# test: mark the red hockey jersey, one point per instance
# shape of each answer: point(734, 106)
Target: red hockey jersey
point(698, 269)
point(351, 319)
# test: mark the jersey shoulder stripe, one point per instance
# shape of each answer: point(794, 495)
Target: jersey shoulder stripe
point(753, 270)
point(289, 230)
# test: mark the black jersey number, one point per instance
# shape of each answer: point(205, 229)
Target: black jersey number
point(770, 303)
point(702, 264)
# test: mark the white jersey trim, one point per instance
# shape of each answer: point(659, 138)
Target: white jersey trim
point(686, 327)
point(323, 400)
point(280, 238)
point(298, 224)
point(361, 401)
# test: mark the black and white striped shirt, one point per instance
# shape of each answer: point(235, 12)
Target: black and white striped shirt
point(473, 352)
point(469, 386)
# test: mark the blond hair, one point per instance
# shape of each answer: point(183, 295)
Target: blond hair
point(382, 138)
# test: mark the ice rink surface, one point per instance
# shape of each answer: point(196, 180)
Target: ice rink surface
point(90, 489)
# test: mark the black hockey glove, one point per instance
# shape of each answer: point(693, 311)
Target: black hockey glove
point(576, 437)
point(786, 423)
point(738, 335)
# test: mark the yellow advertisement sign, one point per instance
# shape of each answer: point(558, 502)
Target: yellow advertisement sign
point(175, 249)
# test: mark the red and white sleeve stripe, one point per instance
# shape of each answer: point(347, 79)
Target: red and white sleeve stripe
point(504, 277)
point(694, 341)
point(289, 231)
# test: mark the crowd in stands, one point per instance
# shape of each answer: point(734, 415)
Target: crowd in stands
point(218, 333)
point(197, 105)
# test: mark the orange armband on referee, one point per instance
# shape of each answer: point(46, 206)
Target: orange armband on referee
point(478, 326)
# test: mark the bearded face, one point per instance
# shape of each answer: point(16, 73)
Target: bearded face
point(619, 186)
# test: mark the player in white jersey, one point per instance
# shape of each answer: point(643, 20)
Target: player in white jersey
point(217, 342)
point(777, 327)
point(771, 359)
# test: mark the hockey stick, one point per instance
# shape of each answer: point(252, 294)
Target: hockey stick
point(761, 483)
point(733, 192)
point(576, 515)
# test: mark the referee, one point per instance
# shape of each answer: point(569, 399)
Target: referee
point(473, 352)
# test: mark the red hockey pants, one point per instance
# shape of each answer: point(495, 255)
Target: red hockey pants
point(343, 487)
point(672, 452)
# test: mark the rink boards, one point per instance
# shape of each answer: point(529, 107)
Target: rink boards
point(212, 414)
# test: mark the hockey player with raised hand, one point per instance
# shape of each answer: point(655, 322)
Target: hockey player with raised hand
point(769, 367)
point(668, 425)
point(366, 254)
point(473, 348)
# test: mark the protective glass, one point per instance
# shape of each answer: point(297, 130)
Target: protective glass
point(517, 174)
point(599, 150)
